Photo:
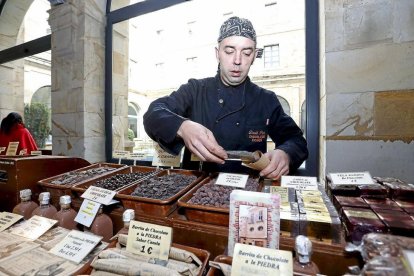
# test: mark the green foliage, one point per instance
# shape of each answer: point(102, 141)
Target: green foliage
point(36, 120)
point(131, 134)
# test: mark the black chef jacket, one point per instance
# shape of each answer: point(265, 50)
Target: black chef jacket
point(240, 118)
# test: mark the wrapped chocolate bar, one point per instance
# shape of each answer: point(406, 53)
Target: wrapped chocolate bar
point(389, 266)
point(318, 216)
point(384, 245)
point(360, 221)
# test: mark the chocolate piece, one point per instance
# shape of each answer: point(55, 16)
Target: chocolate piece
point(385, 203)
point(360, 221)
point(372, 190)
point(399, 223)
point(341, 201)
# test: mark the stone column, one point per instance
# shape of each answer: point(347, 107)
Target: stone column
point(78, 63)
point(12, 73)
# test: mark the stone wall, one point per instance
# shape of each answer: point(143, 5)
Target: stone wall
point(367, 87)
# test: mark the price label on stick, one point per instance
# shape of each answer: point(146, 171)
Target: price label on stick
point(97, 194)
point(149, 240)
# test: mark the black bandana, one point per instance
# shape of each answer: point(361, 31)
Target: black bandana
point(236, 26)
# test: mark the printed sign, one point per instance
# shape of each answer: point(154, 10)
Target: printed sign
point(299, 182)
point(87, 212)
point(120, 154)
point(76, 246)
point(149, 240)
point(162, 158)
point(232, 179)
point(36, 152)
point(12, 148)
point(8, 219)
point(137, 155)
point(282, 191)
point(249, 260)
point(97, 194)
point(351, 178)
point(34, 227)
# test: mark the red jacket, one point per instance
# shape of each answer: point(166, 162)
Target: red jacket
point(18, 134)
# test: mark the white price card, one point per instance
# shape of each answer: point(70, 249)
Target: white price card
point(8, 219)
point(232, 179)
point(76, 246)
point(2, 149)
point(162, 158)
point(36, 152)
point(408, 261)
point(351, 178)
point(137, 155)
point(87, 212)
point(34, 227)
point(149, 240)
point(250, 260)
point(100, 195)
point(12, 148)
point(120, 154)
point(299, 182)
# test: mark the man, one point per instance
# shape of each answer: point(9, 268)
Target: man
point(228, 112)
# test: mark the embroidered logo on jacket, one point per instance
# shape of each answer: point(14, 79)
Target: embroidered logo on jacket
point(257, 135)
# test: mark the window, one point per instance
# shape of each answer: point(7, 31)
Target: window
point(260, 228)
point(260, 215)
point(133, 119)
point(285, 105)
point(271, 56)
point(276, 24)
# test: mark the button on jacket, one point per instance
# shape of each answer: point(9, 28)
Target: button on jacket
point(240, 119)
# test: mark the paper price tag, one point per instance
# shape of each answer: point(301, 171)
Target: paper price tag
point(137, 155)
point(232, 179)
point(249, 260)
point(120, 154)
point(299, 182)
point(351, 178)
point(8, 219)
point(97, 194)
point(76, 246)
point(149, 240)
point(36, 152)
point(162, 158)
point(87, 212)
point(34, 227)
point(12, 148)
point(2, 149)
point(282, 191)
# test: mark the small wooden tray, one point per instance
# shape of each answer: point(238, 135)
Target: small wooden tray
point(202, 213)
point(156, 207)
point(57, 190)
point(81, 188)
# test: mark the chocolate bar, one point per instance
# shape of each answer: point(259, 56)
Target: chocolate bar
point(360, 221)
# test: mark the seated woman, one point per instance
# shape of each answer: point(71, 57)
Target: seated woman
point(12, 129)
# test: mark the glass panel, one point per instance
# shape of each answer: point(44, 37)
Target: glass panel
point(162, 50)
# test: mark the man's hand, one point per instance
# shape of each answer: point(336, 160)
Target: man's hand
point(200, 141)
point(278, 166)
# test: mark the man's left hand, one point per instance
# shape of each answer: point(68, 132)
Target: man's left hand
point(278, 166)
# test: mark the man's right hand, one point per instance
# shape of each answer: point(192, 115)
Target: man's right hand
point(200, 141)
